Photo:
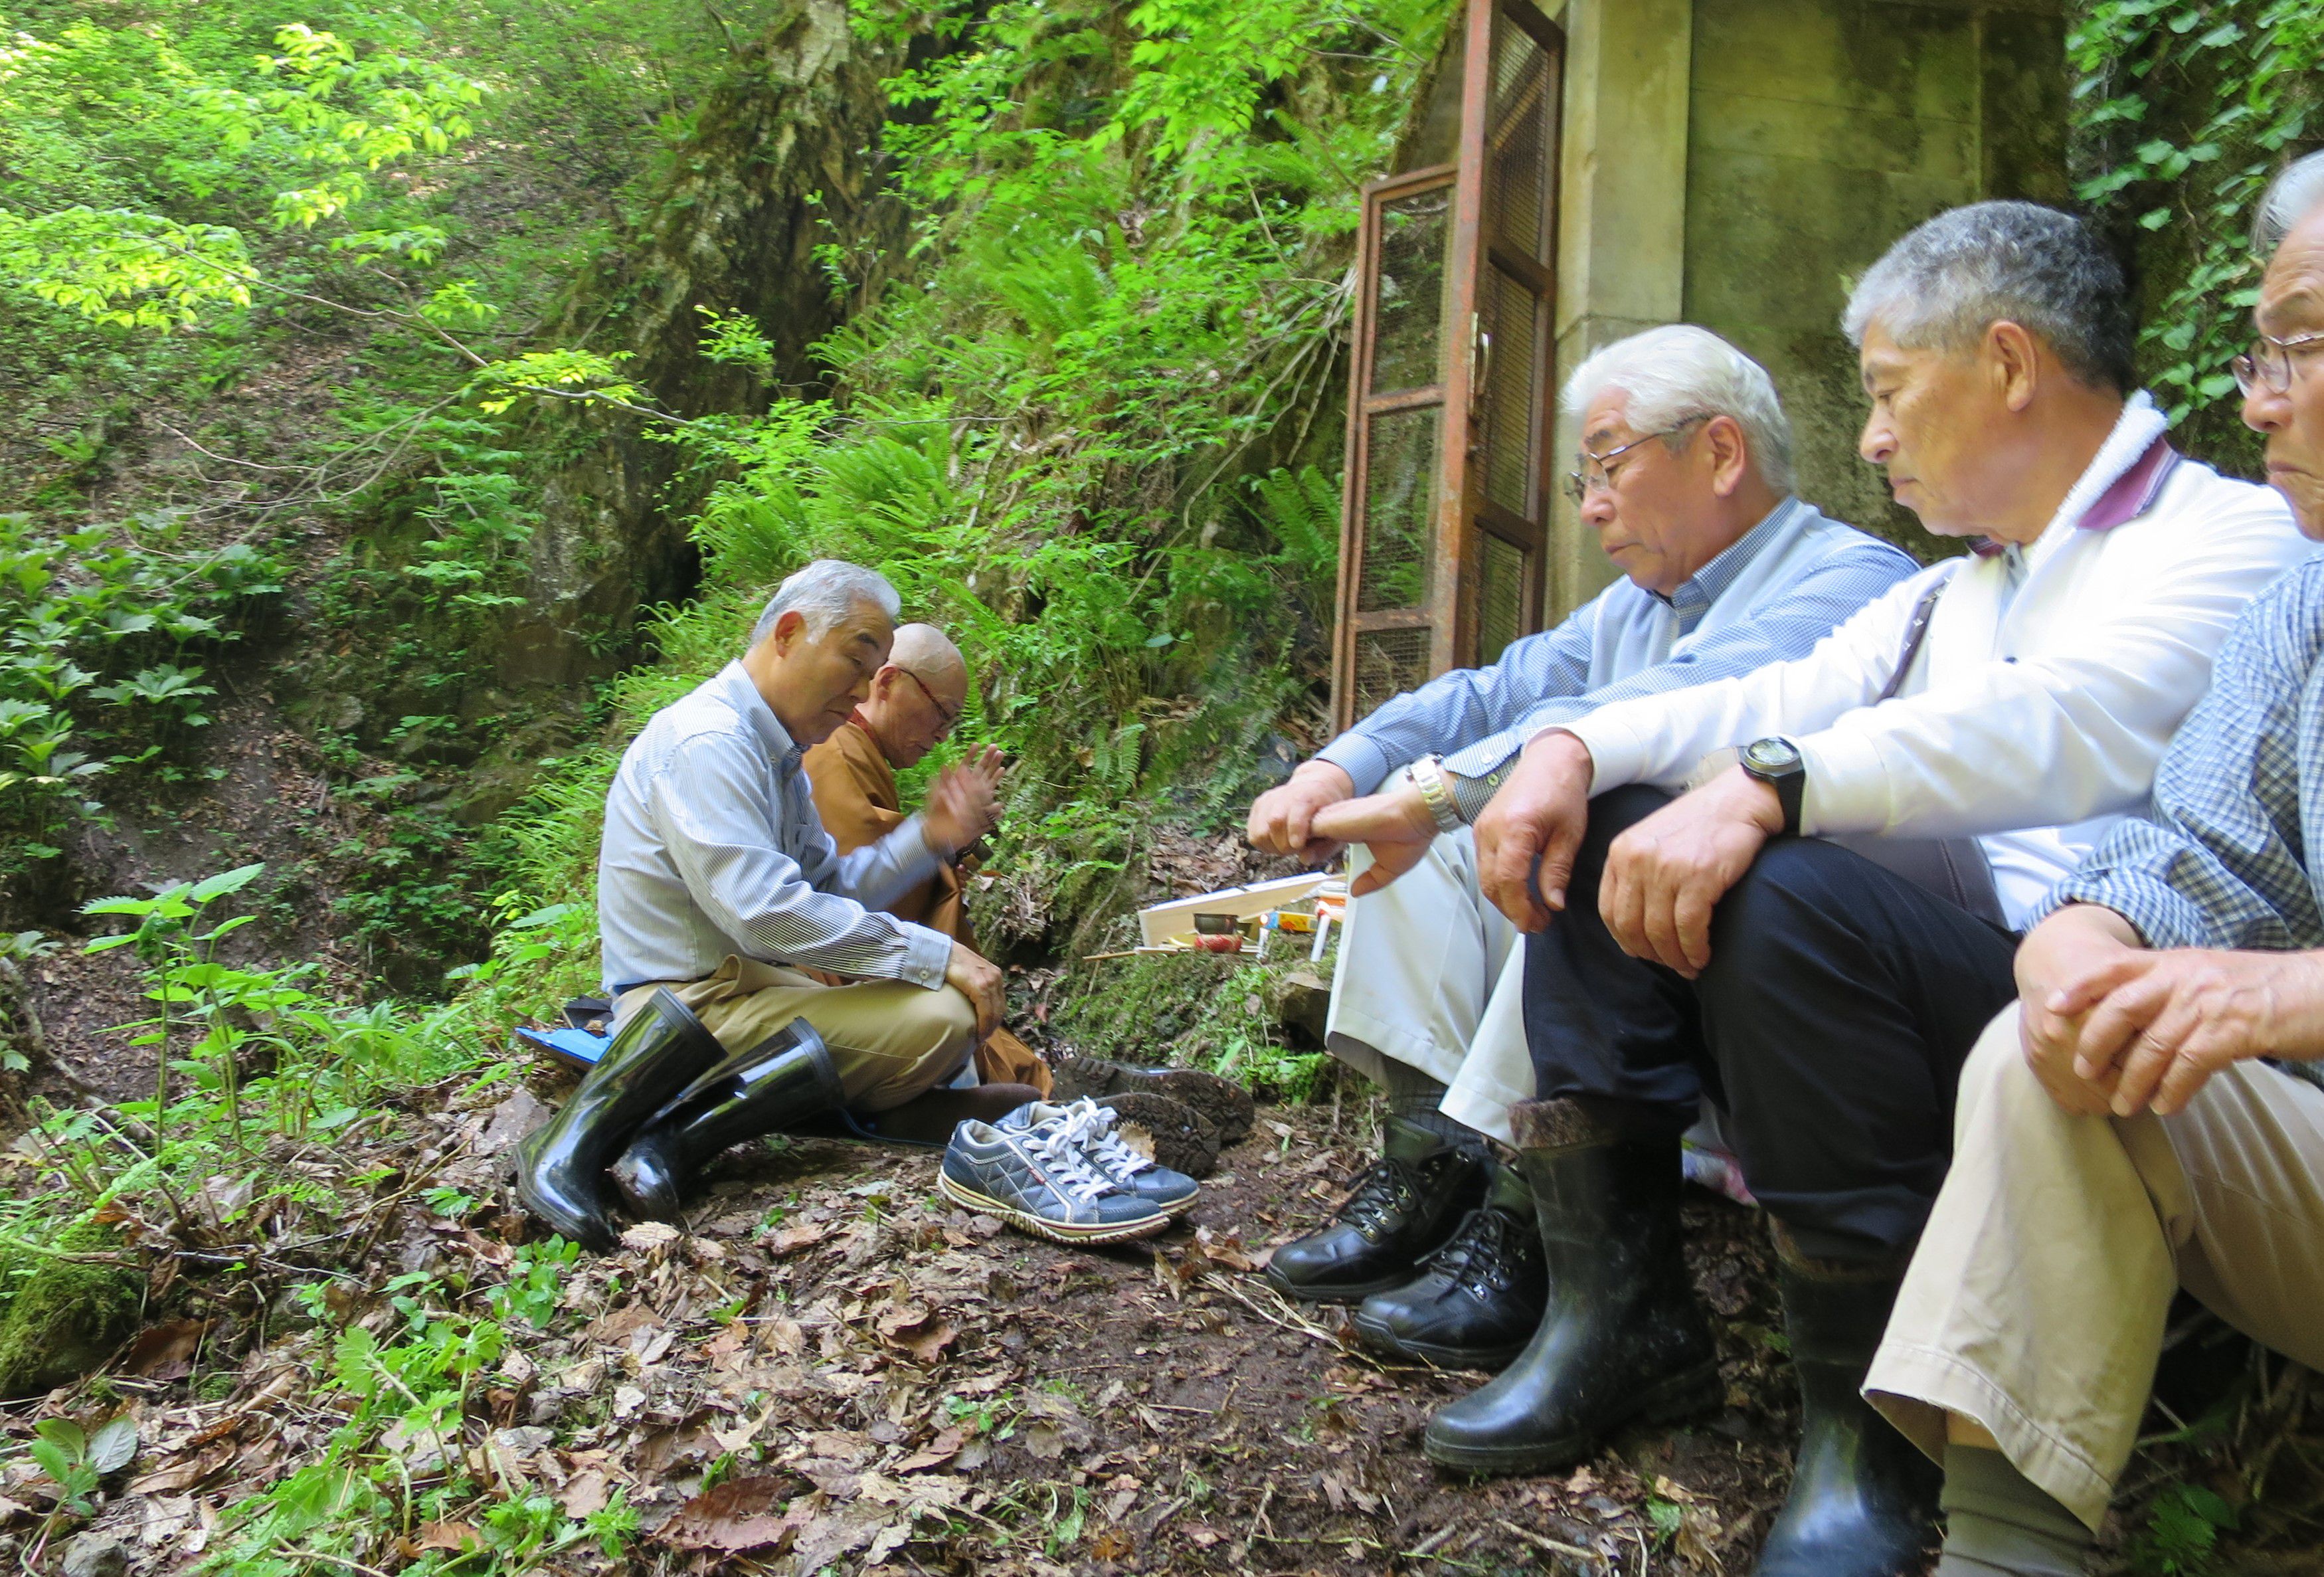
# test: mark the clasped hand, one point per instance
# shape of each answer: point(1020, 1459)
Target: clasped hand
point(2110, 1026)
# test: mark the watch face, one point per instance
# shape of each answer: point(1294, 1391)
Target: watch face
point(1771, 755)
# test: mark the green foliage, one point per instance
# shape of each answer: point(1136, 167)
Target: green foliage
point(2182, 1529)
point(2184, 113)
point(124, 603)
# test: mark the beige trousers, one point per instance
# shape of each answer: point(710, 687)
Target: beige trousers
point(2035, 1302)
point(1430, 974)
point(890, 1041)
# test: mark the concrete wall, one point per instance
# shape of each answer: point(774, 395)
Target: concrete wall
point(1735, 163)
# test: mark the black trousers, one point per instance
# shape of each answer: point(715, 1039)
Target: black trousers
point(1829, 1027)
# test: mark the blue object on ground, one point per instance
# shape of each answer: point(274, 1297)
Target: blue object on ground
point(577, 1046)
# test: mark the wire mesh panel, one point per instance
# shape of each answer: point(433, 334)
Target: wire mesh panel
point(1508, 414)
point(1408, 292)
point(1399, 502)
point(1388, 662)
point(1501, 597)
point(1518, 137)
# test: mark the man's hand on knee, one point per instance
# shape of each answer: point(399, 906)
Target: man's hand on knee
point(1281, 820)
point(1527, 836)
point(978, 980)
point(2157, 1028)
point(1397, 826)
point(2066, 965)
point(1665, 875)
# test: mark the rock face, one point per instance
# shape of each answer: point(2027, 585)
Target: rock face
point(784, 159)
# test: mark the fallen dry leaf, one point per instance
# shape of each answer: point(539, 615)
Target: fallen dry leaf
point(166, 1351)
point(941, 1450)
point(586, 1495)
point(742, 1514)
point(449, 1536)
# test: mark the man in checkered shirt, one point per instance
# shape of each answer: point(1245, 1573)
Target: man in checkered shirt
point(2149, 1115)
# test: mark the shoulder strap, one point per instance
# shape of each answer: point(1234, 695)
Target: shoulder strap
point(1915, 632)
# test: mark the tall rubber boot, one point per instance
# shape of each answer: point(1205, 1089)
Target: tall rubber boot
point(561, 1167)
point(785, 1079)
point(1864, 1497)
point(1623, 1338)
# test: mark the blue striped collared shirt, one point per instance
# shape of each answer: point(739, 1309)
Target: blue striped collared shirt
point(713, 847)
point(2221, 857)
point(1771, 595)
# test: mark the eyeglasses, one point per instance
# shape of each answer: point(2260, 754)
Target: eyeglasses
point(1597, 473)
point(2268, 363)
point(950, 719)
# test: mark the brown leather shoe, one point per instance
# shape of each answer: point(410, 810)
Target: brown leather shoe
point(929, 1119)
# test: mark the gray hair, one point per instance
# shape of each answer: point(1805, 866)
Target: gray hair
point(1678, 371)
point(1943, 285)
point(2296, 192)
point(826, 592)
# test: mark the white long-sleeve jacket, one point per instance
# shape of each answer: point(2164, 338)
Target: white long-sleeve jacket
point(2046, 686)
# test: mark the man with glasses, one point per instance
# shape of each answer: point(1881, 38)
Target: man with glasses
point(914, 704)
point(2147, 1115)
point(1726, 943)
point(1686, 475)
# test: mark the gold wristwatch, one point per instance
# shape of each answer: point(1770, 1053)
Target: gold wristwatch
point(1427, 775)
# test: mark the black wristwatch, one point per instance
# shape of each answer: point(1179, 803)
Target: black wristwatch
point(1775, 762)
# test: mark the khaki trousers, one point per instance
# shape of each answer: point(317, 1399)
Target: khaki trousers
point(2035, 1302)
point(890, 1040)
point(1430, 975)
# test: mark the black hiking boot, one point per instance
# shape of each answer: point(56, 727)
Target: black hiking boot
point(786, 1078)
point(561, 1167)
point(1864, 1497)
point(1622, 1337)
point(1224, 1105)
point(1406, 1204)
point(1481, 1298)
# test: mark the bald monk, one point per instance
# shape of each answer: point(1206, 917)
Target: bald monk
point(914, 703)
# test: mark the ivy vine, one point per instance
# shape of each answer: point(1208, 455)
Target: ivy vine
point(2183, 112)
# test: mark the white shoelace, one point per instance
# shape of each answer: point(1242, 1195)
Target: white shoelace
point(1092, 1126)
point(1067, 1166)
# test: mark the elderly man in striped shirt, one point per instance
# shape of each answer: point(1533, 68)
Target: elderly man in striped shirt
point(2147, 1115)
point(1686, 474)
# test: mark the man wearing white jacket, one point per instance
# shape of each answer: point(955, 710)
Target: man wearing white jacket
point(2016, 700)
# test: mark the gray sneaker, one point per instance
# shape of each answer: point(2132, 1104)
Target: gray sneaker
point(1092, 1126)
point(1038, 1181)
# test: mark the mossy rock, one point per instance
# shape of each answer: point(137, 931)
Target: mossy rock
point(64, 1317)
point(1228, 1014)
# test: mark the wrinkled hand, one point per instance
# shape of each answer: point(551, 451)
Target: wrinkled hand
point(1395, 826)
point(1535, 819)
point(1281, 820)
point(962, 804)
point(979, 981)
point(2073, 947)
point(2159, 1024)
point(1665, 875)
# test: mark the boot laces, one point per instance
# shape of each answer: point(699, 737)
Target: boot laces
point(1388, 1186)
point(1481, 1255)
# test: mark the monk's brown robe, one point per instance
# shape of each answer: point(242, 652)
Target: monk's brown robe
point(856, 796)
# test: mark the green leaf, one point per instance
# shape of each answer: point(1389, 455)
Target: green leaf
point(216, 887)
point(114, 1445)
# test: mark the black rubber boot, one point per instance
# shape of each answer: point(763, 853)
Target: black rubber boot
point(786, 1078)
point(561, 1167)
point(1406, 1204)
point(1622, 1338)
point(1479, 1297)
point(1864, 1497)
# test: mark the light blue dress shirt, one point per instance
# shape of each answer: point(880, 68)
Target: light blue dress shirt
point(1770, 597)
point(713, 847)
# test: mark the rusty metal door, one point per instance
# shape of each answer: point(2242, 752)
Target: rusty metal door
point(1446, 510)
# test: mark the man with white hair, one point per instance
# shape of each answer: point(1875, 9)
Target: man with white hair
point(1723, 943)
point(1685, 474)
point(718, 891)
point(2147, 1115)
